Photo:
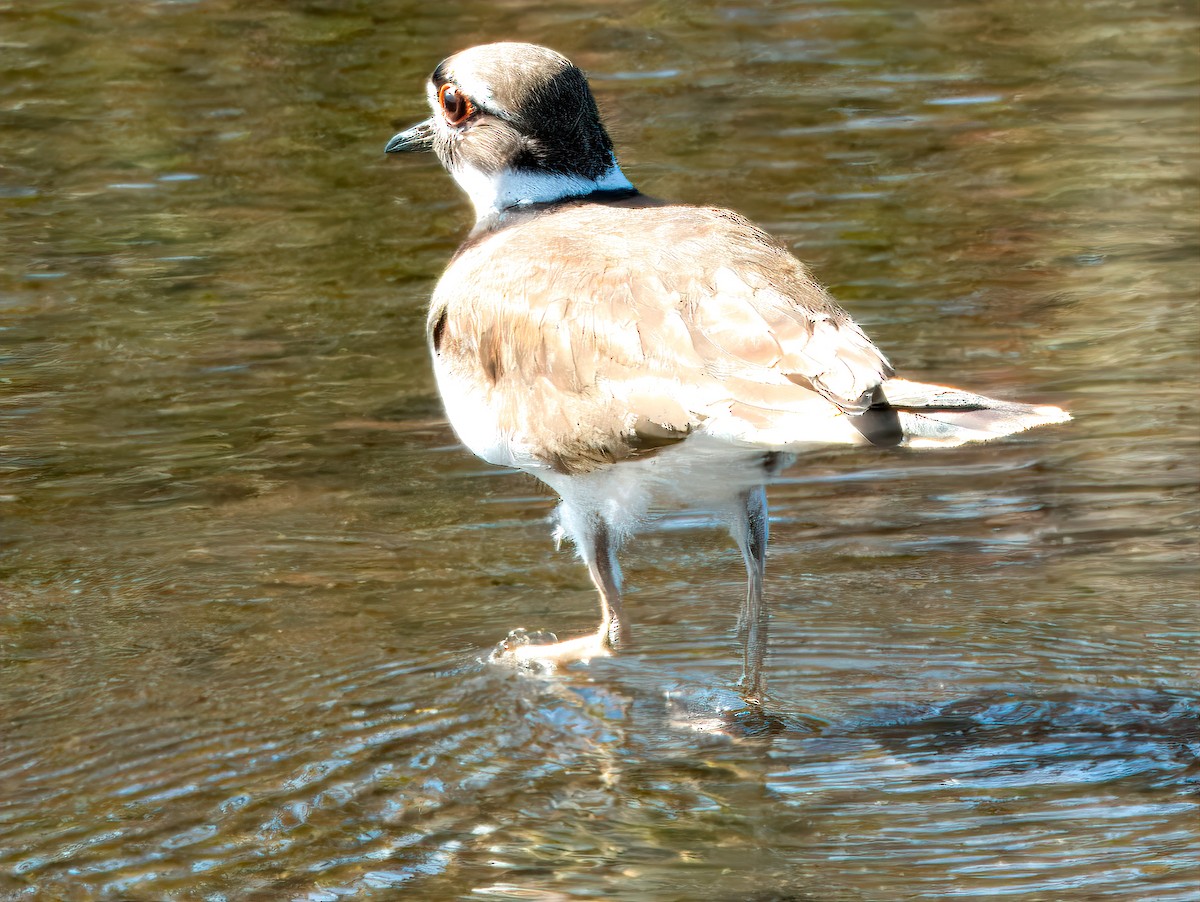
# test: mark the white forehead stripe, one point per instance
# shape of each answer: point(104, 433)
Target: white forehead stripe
point(474, 88)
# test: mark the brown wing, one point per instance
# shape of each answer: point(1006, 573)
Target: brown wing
point(597, 333)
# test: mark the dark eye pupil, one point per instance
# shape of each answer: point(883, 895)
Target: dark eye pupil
point(452, 102)
point(456, 107)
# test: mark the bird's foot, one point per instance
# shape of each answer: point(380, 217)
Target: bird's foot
point(753, 691)
point(541, 651)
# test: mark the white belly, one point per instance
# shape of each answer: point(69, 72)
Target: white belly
point(702, 474)
point(475, 421)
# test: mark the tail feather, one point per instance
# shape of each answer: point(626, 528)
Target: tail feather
point(938, 416)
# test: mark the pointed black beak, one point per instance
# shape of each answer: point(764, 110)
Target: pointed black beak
point(419, 137)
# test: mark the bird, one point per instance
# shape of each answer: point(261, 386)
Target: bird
point(639, 356)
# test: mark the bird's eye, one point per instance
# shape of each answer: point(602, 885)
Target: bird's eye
point(455, 105)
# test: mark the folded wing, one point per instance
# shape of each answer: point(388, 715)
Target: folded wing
point(624, 336)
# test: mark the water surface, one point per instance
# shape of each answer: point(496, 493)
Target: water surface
point(247, 574)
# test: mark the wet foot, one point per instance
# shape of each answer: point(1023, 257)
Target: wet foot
point(541, 650)
point(752, 690)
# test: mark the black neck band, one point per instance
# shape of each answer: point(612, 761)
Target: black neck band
point(520, 212)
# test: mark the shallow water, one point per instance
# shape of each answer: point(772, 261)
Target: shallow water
point(247, 575)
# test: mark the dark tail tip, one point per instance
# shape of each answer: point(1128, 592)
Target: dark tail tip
point(879, 423)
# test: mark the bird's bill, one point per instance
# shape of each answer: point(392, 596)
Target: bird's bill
point(417, 138)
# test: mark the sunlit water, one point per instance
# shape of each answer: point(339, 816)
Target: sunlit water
point(247, 575)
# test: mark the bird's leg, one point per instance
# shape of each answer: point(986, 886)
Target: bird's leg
point(606, 576)
point(749, 530)
point(599, 551)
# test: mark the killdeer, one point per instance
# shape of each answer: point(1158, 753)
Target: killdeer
point(640, 356)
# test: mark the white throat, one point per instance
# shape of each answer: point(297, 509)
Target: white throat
point(491, 193)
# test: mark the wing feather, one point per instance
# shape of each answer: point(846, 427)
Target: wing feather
point(594, 333)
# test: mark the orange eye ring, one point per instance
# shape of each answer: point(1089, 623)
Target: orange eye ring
point(456, 106)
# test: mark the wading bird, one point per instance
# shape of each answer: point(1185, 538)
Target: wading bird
point(640, 356)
